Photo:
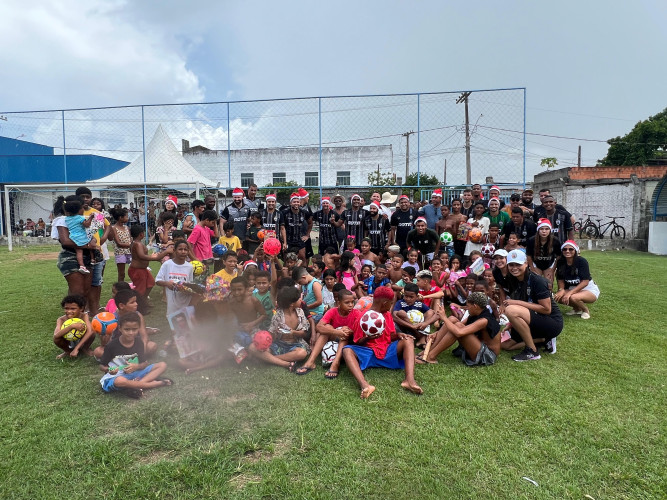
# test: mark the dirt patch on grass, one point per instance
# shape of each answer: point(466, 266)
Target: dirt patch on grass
point(40, 256)
point(237, 398)
point(155, 457)
point(278, 450)
point(242, 480)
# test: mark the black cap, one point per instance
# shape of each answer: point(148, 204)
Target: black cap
point(515, 197)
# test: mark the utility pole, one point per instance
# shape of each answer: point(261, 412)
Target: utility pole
point(579, 157)
point(463, 98)
point(444, 177)
point(407, 154)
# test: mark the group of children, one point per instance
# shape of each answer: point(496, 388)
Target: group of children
point(280, 312)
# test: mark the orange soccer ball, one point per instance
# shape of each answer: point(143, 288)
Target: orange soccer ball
point(260, 235)
point(475, 235)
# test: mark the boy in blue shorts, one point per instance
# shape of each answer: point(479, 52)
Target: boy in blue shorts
point(409, 303)
point(124, 361)
point(391, 349)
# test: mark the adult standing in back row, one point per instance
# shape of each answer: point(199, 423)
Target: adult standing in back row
point(432, 211)
point(354, 220)
point(402, 222)
point(236, 212)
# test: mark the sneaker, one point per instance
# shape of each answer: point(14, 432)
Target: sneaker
point(527, 355)
point(83, 270)
point(550, 347)
point(585, 316)
point(573, 312)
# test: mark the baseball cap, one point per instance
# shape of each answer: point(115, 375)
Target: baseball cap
point(516, 257)
point(501, 251)
point(515, 197)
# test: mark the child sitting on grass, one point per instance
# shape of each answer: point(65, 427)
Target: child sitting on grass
point(329, 278)
point(139, 272)
point(478, 336)
point(336, 326)
point(379, 279)
point(390, 349)
point(401, 314)
point(248, 310)
point(208, 325)
point(126, 301)
point(73, 307)
point(124, 361)
point(263, 294)
point(115, 288)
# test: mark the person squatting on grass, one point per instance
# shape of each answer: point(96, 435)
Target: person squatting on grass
point(73, 308)
point(390, 349)
point(124, 361)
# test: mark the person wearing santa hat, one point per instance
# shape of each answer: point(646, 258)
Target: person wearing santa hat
point(294, 228)
point(271, 216)
point(543, 251)
point(432, 210)
point(402, 222)
point(494, 192)
point(171, 204)
point(354, 220)
point(426, 241)
point(377, 228)
point(236, 212)
point(576, 287)
point(327, 220)
point(304, 196)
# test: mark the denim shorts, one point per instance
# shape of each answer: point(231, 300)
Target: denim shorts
point(108, 381)
point(98, 268)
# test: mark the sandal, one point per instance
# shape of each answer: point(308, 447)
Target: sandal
point(421, 361)
point(304, 370)
point(331, 374)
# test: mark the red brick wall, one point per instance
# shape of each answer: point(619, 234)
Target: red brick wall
point(593, 173)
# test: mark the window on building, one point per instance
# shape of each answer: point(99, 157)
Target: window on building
point(247, 179)
point(112, 198)
point(279, 178)
point(311, 179)
point(343, 178)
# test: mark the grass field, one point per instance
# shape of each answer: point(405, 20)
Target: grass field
point(589, 420)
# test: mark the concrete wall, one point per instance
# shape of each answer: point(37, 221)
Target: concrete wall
point(294, 162)
point(657, 238)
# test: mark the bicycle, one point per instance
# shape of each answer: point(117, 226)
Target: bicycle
point(592, 230)
point(586, 228)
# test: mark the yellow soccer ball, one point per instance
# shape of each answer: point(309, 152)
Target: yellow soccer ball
point(197, 267)
point(73, 335)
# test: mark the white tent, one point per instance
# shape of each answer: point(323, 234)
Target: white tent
point(164, 166)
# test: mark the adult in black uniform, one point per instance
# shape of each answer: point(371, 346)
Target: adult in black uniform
point(294, 228)
point(520, 226)
point(376, 228)
point(328, 221)
point(402, 222)
point(533, 313)
point(236, 212)
point(354, 220)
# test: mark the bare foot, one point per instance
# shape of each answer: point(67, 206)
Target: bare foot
point(367, 391)
point(87, 352)
point(62, 355)
point(412, 387)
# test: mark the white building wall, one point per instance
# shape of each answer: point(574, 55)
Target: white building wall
point(294, 162)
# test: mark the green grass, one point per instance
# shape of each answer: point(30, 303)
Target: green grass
point(588, 421)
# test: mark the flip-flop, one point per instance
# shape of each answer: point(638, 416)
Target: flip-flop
point(421, 361)
point(331, 374)
point(304, 370)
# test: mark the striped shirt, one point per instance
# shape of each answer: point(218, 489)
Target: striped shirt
point(296, 225)
point(354, 223)
point(377, 230)
point(271, 221)
point(327, 230)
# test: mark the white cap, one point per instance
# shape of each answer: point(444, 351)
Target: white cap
point(516, 257)
point(501, 251)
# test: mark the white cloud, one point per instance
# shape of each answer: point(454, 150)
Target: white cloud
point(76, 53)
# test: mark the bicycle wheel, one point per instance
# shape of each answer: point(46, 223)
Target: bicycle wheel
point(577, 227)
point(589, 231)
point(617, 233)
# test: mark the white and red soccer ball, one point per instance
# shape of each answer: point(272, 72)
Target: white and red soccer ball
point(488, 250)
point(372, 324)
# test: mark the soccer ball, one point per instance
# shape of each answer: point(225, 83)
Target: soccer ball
point(73, 335)
point(197, 267)
point(475, 235)
point(262, 340)
point(272, 246)
point(488, 250)
point(446, 238)
point(329, 352)
point(364, 303)
point(372, 324)
point(104, 323)
point(219, 250)
point(260, 235)
point(415, 316)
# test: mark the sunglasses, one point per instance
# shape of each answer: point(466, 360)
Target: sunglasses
point(568, 249)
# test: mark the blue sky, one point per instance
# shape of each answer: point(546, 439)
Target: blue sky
point(592, 69)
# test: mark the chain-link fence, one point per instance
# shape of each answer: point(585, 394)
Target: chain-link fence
point(323, 144)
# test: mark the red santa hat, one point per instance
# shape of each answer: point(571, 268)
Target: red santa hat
point(421, 219)
point(294, 196)
point(403, 197)
point(270, 197)
point(326, 199)
point(171, 199)
point(494, 187)
point(495, 198)
point(544, 223)
point(355, 195)
point(570, 243)
point(376, 203)
point(437, 192)
point(302, 193)
point(238, 192)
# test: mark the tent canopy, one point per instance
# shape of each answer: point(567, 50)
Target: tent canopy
point(164, 166)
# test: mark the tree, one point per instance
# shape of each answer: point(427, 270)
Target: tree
point(424, 180)
point(646, 141)
point(549, 163)
point(377, 178)
point(283, 190)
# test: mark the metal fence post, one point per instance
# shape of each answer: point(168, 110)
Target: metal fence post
point(64, 147)
point(143, 147)
point(319, 115)
point(524, 138)
point(229, 154)
point(418, 137)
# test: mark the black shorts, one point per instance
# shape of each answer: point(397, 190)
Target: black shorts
point(295, 245)
point(541, 327)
